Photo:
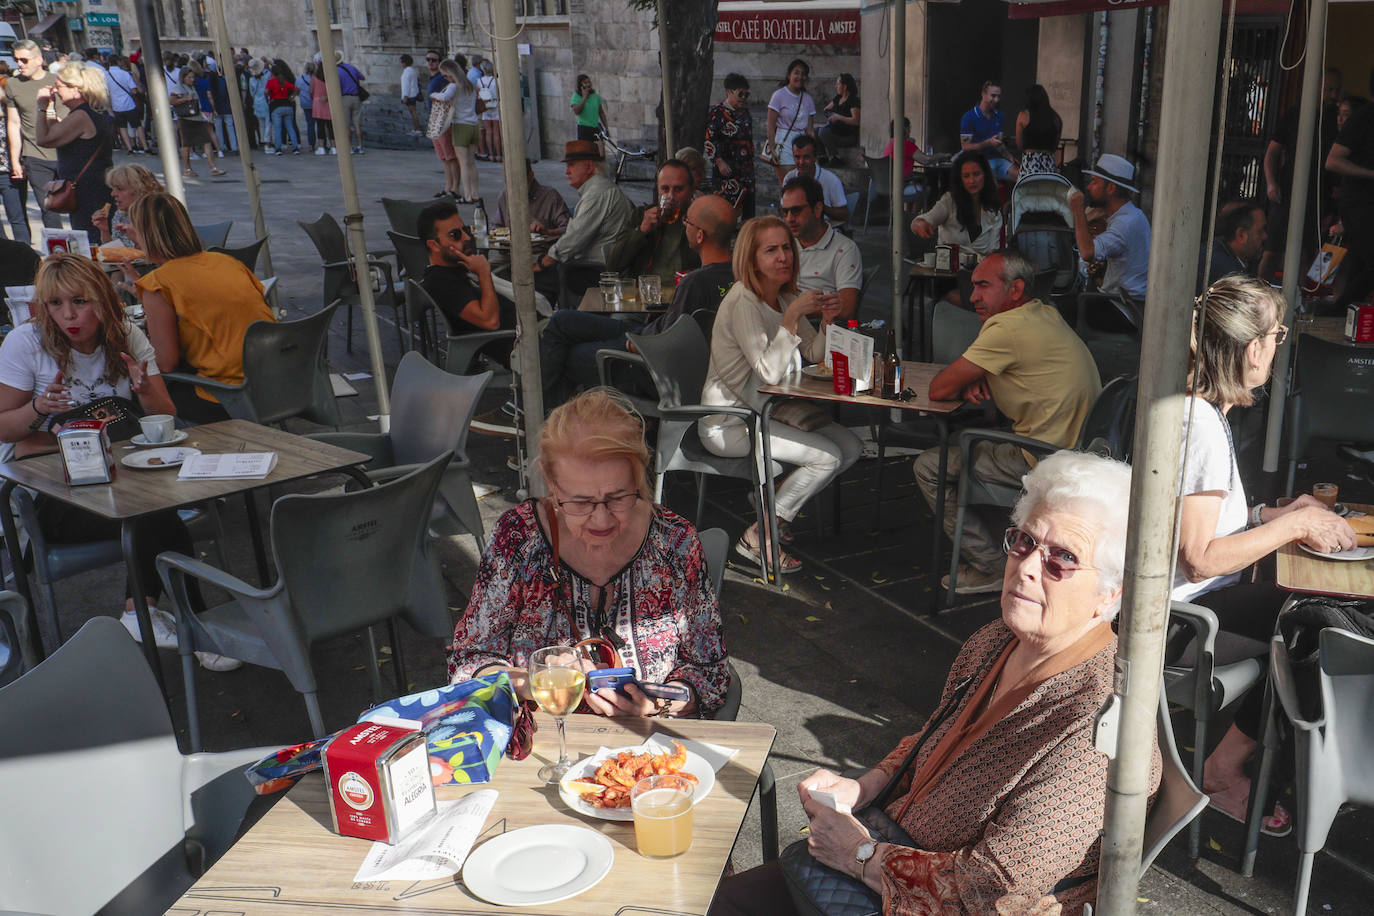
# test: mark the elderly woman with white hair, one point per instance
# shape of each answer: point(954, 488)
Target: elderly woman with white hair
point(1001, 795)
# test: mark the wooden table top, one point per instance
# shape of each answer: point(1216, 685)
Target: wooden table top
point(629, 304)
point(292, 863)
point(137, 492)
point(1300, 571)
point(1330, 328)
point(916, 376)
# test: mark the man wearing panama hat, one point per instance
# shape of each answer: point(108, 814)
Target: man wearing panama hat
point(602, 214)
point(1125, 244)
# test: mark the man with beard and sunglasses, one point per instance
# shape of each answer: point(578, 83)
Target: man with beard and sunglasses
point(458, 279)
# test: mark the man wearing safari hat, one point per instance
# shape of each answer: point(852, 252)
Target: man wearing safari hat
point(602, 214)
point(1125, 245)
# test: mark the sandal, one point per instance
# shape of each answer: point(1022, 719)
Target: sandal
point(787, 562)
point(1280, 823)
point(189, 173)
point(214, 171)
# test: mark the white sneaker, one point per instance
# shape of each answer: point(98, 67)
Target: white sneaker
point(164, 627)
point(333, 151)
point(212, 662)
point(220, 153)
point(320, 152)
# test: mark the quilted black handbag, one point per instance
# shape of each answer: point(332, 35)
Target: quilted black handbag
point(120, 415)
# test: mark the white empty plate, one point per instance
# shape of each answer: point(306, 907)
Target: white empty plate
point(157, 459)
point(178, 435)
point(538, 865)
point(696, 765)
point(817, 371)
point(1354, 553)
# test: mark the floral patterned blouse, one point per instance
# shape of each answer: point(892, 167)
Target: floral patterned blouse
point(730, 137)
point(661, 605)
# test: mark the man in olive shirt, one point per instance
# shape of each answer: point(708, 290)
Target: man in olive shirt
point(39, 163)
point(1039, 374)
point(658, 245)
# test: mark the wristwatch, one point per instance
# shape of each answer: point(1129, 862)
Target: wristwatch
point(865, 852)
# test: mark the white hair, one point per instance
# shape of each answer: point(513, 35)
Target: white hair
point(1090, 487)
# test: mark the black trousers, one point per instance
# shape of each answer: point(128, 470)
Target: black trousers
point(63, 523)
point(760, 891)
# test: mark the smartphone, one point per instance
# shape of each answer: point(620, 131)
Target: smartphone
point(614, 678)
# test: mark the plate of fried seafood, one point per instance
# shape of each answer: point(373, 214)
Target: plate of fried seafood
point(600, 785)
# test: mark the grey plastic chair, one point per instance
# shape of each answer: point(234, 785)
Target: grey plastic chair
point(284, 373)
point(18, 651)
point(1332, 387)
point(1335, 750)
point(248, 254)
point(412, 254)
point(879, 185)
point(94, 705)
point(339, 281)
point(459, 351)
point(404, 215)
point(676, 360)
point(430, 413)
point(1205, 687)
point(214, 235)
point(342, 562)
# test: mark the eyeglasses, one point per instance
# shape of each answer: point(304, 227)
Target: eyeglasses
point(457, 234)
point(688, 222)
point(431, 60)
point(1280, 334)
point(1058, 561)
point(794, 211)
point(578, 508)
point(741, 93)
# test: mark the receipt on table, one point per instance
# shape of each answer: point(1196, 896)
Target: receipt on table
point(437, 849)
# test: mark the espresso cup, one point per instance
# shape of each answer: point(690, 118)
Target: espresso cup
point(158, 427)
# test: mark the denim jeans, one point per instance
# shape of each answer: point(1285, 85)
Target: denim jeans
point(567, 350)
point(283, 118)
point(224, 127)
point(15, 194)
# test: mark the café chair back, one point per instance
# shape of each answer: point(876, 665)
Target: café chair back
point(285, 374)
point(459, 351)
point(214, 235)
point(412, 255)
point(879, 185)
point(676, 360)
point(1335, 750)
point(1332, 390)
point(104, 813)
point(430, 413)
point(340, 281)
point(18, 651)
point(344, 561)
point(1195, 681)
point(1107, 429)
point(247, 255)
point(404, 215)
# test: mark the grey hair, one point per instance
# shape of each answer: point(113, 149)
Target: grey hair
point(1238, 310)
point(1016, 267)
point(25, 44)
point(1092, 488)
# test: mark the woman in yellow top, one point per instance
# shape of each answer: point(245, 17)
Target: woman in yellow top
point(198, 303)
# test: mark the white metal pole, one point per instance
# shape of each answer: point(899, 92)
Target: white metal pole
point(669, 137)
point(353, 219)
point(159, 100)
point(897, 94)
point(518, 206)
point(1190, 61)
point(1312, 77)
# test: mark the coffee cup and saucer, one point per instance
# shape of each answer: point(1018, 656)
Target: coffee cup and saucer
point(159, 429)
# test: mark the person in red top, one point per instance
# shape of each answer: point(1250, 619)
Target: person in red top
point(281, 102)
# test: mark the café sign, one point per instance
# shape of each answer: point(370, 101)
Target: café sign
point(826, 27)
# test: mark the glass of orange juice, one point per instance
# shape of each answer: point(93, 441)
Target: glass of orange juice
point(662, 808)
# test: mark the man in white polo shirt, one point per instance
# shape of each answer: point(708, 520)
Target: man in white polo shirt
point(829, 260)
point(804, 155)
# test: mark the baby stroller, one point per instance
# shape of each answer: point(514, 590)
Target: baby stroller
point(1040, 226)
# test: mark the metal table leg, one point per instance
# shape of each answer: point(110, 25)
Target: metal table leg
point(139, 593)
point(770, 501)
point(937, 533)
point(21, 578)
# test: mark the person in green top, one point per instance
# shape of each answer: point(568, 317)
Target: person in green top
point(590, 109)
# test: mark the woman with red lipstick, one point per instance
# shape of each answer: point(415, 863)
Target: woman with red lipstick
point(78, 348)
point(596, 557)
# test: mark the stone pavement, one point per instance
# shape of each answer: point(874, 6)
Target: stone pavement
point(844, 660)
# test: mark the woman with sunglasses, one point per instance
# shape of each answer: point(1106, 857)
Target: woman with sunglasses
point(730, 146)
point(1002, 804)
point(1220, 535)
point(597, 558)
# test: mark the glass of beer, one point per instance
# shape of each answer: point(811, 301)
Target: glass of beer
point(662, 807)
point(557, 682)
point(651, 290)
point(1326, 493)
point(668, 210)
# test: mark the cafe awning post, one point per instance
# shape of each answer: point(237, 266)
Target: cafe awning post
point(159, 101)
point(225, 53)
point(353, 218)
point(896, 53)
point(1297, 214)
point(1180, 206)
point(518, 204)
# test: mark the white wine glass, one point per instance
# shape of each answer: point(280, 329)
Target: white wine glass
point(557, 682)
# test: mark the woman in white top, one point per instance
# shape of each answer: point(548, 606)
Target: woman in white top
point(490, 94)
point(760, 327)
point(462, 95)
point(78, 348)
point(1219, 537)
point(789, 114)
point(969, 214)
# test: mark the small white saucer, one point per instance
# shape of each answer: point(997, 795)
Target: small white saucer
point(178, 435)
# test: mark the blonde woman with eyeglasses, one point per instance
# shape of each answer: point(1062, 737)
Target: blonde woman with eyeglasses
point(1221, 535)
point(597, 558)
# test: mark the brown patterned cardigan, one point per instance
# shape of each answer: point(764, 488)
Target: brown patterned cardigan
point(1021, 810)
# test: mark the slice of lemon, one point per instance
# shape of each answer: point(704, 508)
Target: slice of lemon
point(578, 787)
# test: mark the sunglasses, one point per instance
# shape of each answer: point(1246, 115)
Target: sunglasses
point(741, 93)
point(1280, 334)
point(458, 234)
point(1058, 561)
point(794, 211)
point(431, 60)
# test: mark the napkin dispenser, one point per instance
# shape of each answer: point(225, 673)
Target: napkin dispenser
point(1359, 323)
point(85, 449)
point(379, 782)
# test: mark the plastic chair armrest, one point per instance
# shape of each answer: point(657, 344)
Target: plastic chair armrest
point(969, 437)
point(1201, 620)
point(485, 337)
point(606, 356)
point(376, 445)
point(1286, 689)
point(686, 411)
point(204, 572)
point(188, 378)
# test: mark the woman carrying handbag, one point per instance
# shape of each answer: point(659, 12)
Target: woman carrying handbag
point(83, 140)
